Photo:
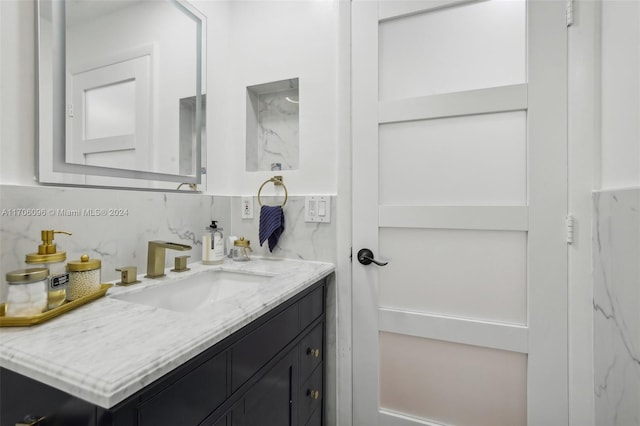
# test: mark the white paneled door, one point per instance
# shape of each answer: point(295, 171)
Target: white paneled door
point(459, 183)
point(108, 118)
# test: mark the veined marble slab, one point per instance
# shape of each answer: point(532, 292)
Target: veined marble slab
point(107, 224)
point(109, 349)
point(300, 240)
point(616, 305)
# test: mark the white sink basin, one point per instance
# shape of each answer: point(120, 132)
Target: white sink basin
point(194, 292)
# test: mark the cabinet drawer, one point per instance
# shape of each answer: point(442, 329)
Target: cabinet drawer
point(310, 397)
point(311, 307)
point(311, 352)
point(190, 399)
point(256, 349)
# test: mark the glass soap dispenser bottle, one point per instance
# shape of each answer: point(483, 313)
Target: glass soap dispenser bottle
point(49, 257)
point(213, 245)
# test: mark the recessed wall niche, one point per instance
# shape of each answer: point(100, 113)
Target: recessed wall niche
point(273, 126)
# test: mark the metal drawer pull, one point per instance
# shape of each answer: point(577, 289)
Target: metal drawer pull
point(30, 420)
point(313, 352)
point(315, 394)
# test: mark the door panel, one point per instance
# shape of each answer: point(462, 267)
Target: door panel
point(470, 160)
point(470, 51)
point(459, 182)
point(451, 383)
point(102, 107)
point(468, 273)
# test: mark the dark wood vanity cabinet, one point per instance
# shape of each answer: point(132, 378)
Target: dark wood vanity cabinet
point(269, 373)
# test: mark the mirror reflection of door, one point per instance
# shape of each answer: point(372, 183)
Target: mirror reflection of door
point(108, 117)
point(128, 64)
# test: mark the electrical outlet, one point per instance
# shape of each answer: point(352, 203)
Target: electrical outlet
point(246, 207)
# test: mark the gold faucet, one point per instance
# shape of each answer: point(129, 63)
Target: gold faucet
point(155, 256)
point(192, 186)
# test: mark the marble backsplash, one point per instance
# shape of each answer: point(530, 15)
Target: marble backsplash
point(616, 239)
point(273, 134)
point(115, 225)
point(300, 240)
point(111, 225)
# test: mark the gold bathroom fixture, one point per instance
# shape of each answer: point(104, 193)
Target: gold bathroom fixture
point(277, 181)
point(128, 275)
point(47, 251)
point(180, 264)
point(192, 186)
point(155, 256)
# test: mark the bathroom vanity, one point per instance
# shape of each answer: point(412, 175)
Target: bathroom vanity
point(253, 358)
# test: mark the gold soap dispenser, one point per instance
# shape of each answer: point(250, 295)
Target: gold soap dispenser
point(49, 257)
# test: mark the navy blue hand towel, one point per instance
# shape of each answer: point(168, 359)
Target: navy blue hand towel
point(271, 225)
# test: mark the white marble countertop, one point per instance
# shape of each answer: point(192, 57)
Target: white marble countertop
point(107, 350)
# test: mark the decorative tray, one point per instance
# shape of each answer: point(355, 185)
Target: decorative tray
point(45, 316)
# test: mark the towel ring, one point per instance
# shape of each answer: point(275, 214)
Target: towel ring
point(277, 181)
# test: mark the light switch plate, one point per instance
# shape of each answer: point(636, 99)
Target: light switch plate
point(246, 207)
point(317, 209)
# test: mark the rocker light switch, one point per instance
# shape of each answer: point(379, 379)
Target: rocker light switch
point(317, 209)
point(322, 208)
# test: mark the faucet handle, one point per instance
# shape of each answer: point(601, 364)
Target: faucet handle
point(128, 275)
point(180, 264)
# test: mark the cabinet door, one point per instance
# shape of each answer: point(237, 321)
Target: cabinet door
point(269, 402)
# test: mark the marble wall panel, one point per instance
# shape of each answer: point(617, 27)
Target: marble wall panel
point(300, 240)
point(111, 225)
point(278, 136)
point(616, 304)
point(273, 135)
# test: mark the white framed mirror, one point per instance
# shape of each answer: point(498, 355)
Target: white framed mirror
point(121, 93)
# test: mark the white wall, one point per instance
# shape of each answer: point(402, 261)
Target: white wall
point(17, 92)
point(249, 42)
point(616, 239)
point(620, 161)
point(604, 152)
point(271, 41)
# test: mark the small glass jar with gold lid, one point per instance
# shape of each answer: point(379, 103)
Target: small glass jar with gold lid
point(241, 250)
point(49, 257)
point(84, 277)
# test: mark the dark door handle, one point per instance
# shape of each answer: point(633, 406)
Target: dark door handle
point(365, 256)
